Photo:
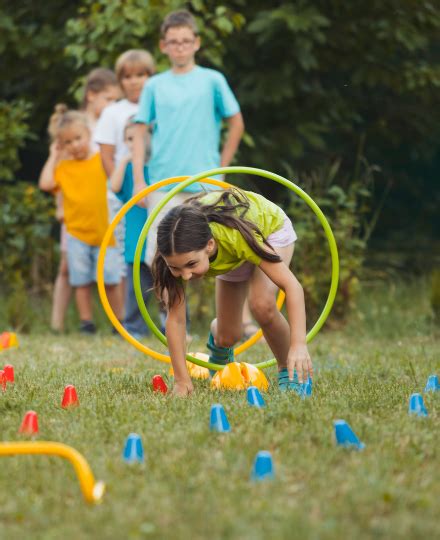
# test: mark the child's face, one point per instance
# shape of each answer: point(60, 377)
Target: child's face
point(98, 101)
point(75, 140)
point(128, 137)
point(180, 44)
point(191, 265)
point(132, 82)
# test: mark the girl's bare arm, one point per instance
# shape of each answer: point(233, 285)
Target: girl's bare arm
point(46, 182)
point(298, 356)
point(176, 335)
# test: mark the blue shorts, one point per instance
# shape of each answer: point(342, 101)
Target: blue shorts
point(82, 260)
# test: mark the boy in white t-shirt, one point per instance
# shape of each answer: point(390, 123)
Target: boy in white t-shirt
point(132, 68)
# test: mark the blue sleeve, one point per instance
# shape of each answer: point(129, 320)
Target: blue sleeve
point(126, 191)
point(147, 107)
point(225, 101)
point(146, 176)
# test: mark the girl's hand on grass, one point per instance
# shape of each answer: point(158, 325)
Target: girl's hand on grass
point(298, 358)
point(183, 389)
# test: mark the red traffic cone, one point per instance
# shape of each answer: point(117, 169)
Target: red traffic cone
point(159, 384)
point(3, 380)
point(9, 373)
point(29, 425)
point(4, 340)
point(70, 397)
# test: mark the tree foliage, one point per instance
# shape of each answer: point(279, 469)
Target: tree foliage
point(319, 82)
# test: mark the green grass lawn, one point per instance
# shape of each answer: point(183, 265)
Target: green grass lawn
point(195, 484)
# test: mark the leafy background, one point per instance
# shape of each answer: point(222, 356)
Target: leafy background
point(341, 97)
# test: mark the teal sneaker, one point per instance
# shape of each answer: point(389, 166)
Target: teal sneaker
point(219, 355)
point(284, 384)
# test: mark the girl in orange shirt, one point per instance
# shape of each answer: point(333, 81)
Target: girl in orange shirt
point(83, 183)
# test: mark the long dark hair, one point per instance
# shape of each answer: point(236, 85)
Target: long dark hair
point(186, 228)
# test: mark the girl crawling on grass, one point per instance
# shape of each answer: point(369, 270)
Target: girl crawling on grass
point(247, 243)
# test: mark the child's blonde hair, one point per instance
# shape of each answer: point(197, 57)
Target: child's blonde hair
point(134, 57)
point(62, 117)
point(98, 80)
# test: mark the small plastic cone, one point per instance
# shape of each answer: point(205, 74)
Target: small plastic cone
point(432, 384)
point(3, 380)
point(263, 468)
point(345, 436)
point(218, 419)
point(417, 406)
point(9, 373)
point(159, 384)
point(29, 425)
point(4, 340)
point(254, 397)
point(70, 397)
point(133, 450)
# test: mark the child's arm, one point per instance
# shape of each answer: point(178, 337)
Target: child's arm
point(175, 328)
point(298, 356)
point(140, 133)
point(117, 177)
point(107, 152)
point(46, 181)
point(235, 133)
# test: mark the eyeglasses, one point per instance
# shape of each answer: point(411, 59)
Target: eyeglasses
point(185, 43)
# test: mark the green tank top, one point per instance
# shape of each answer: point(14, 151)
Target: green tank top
point(232, 248)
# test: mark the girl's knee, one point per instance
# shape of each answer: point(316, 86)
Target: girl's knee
point(263, 309)
point(225, 337)
point(228, 338)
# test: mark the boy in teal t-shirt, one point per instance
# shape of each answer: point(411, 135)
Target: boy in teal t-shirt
point(186, 106)
point(122, 185)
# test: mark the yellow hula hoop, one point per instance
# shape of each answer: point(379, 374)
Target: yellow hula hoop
point(100, 272)
point(92, 491)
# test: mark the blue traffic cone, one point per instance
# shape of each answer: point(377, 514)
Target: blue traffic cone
point(219, 421)
point(133, 450)
point(416, 405)
point(263, 468)
point(432, 384)
point(254, 397)
point(307, 387)
point(345, 436)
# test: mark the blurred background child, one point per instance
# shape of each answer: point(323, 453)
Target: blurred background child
point(132, 68)
point(101, 88)
point(74, 168)
point(122, 184)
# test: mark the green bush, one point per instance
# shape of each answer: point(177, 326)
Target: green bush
point(26, 244)
point(14, 131)
point(347, 207)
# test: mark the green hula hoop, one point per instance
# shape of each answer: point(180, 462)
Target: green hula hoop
point(236, 170)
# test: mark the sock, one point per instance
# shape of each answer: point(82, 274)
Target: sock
point(219, 355)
